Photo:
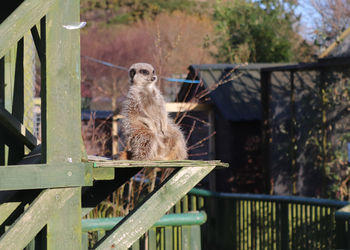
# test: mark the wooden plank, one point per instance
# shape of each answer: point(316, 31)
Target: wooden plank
point(35, 217)
point(2, 105)
point(62, 90)
point(103, 174)
point(17, 129)
point(157, 164)
point(6, 210)
point(20, 21)
point(64, 228)
point(168, 235)
point(19, 177)
point(138, 221)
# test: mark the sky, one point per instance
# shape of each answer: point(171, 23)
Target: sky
point(309, 18)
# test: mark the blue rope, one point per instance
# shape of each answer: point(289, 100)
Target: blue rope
point(126, 69)
point(181, 80)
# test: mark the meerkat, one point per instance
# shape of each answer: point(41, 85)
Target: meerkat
point(150, 134)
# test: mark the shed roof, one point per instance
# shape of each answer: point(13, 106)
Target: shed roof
point(238, 98)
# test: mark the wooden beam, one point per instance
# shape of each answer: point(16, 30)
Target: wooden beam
point(103, 174)
point(187, 106)
point(19, 177)
point(157, 164)
point(2, 105)
point(48, 203)
point(20, 21)
point(6, 210)
point(17, 129)
point(138, 221)
point(61, 133)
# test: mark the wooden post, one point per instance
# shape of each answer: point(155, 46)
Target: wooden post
point(2, 105)
point(265, 79)
point(115, 138)
point(62, 130)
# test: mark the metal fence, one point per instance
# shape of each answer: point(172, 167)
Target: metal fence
point(306, 127)
point(342, 218)
point(249, 221)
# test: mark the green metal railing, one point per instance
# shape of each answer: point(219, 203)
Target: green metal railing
point(243, 221)
point(249, 221)
point(172, 231)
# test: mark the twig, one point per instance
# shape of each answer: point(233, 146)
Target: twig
point(203, 140)
point(191, 130)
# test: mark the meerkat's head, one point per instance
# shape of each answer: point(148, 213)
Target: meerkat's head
point(142, 74)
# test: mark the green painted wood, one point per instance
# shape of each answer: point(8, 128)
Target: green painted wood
point(20, 21)
point(10, 63)
point(48, 203)
point(61, 96)
point(10, 59)
point(168, 235)
point(17, 130)
point(195, 243)
point(103, 174)
point(64, 227)
point(153, 207)
point(37, 42)
point(2, 105)
point(186, 238)
point(6, 210)
point(152, 239)
point(85, 241)
point(157, 164)
point(136, 245)
point(36, 176)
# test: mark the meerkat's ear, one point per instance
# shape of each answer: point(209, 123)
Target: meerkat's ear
point(132, 73)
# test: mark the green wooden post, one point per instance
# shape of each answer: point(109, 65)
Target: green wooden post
point(152, 239)
point(2, 105)
point(168, 235)
point(62, 132)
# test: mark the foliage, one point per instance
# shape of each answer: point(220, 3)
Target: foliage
point(256, 31)
point(129, 11)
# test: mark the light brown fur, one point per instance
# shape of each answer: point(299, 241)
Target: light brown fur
point(150, 133)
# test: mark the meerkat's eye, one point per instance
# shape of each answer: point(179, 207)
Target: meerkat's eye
point(153, 72)
point(144, 72)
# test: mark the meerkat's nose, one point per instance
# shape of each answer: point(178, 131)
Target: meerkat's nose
point(153, 78)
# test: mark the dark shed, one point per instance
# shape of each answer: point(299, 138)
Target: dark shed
point(234, 91)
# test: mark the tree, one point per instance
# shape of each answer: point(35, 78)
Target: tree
point(257, 31)
point(333, 19)
point(129, 11)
